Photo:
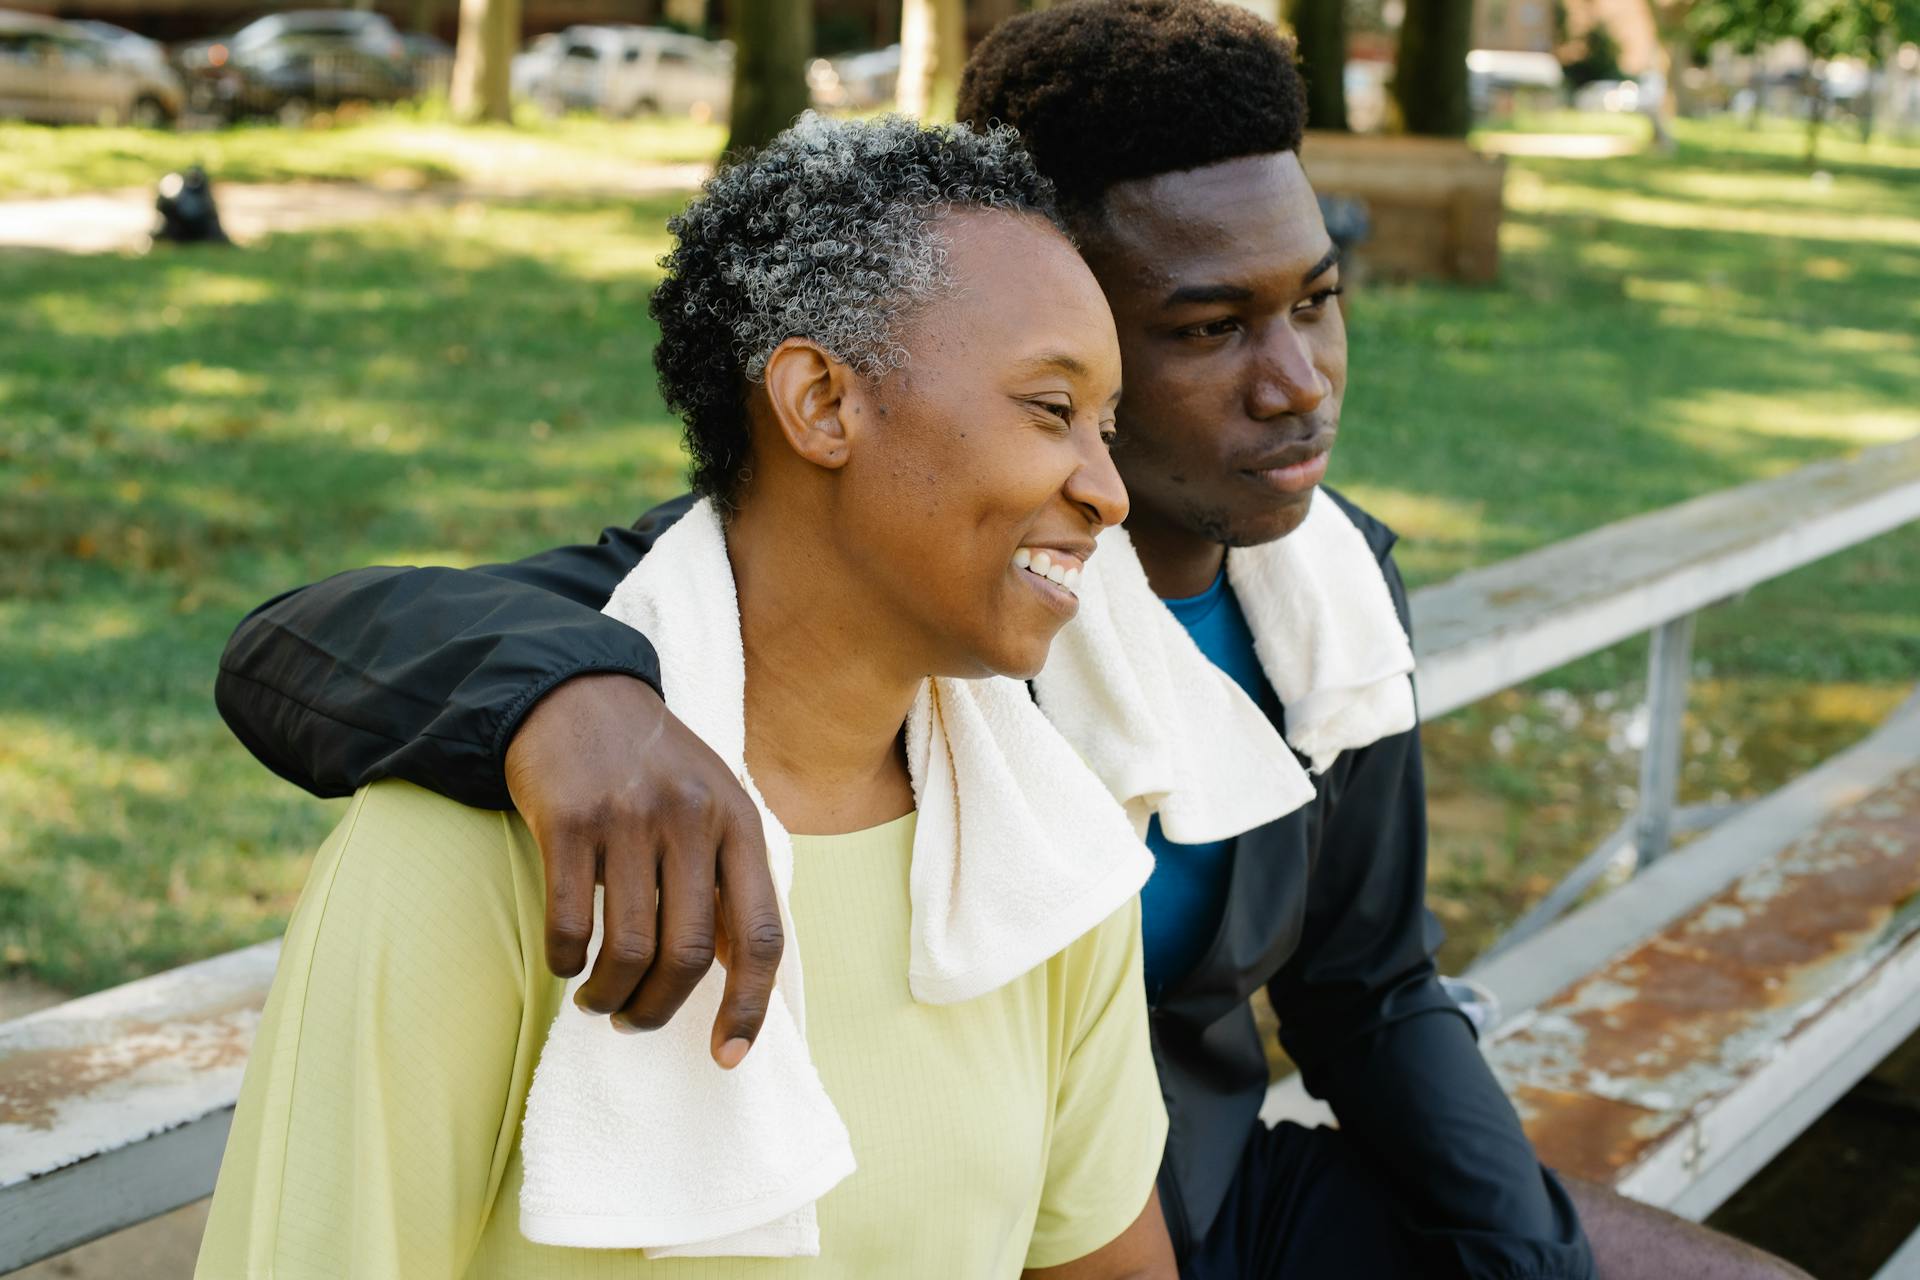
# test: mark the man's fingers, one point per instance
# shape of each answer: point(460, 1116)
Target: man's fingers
point(750, 912)
point(628, 943)
point(686, 934)
point(572, 867)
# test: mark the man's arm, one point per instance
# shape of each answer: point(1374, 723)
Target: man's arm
point(507, 687)
point(424, 674)
point(1362, 1013)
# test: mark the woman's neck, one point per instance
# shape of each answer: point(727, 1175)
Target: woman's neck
point(824, 708)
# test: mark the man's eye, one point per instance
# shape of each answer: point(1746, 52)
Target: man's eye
point(1212, 329)
point(1319, 300)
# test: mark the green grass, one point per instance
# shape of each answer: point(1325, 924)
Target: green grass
point(183, 434)
point(406, 146)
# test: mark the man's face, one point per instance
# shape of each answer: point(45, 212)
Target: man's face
point(1222, 282)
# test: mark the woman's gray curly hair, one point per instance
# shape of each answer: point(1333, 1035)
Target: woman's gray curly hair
point(828, 233)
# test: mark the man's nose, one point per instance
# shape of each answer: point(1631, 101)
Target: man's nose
point(1285, 378)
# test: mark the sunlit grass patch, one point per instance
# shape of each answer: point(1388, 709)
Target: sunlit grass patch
point(403, 147)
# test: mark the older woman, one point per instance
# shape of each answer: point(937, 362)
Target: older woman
point(897, 378)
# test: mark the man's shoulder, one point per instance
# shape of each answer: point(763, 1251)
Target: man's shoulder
point(1379, 535)
point(666, 515)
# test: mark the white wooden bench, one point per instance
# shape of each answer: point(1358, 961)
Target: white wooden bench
point(114, 1108)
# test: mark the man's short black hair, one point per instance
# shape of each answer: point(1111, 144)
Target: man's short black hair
point(1107, 91)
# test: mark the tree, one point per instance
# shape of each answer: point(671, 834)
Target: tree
point(483, 60)
point(772, 44)
point(1430, 68)
point(933, 49)
point(1864, 29)
point(1599, 59)
point(1320, 27)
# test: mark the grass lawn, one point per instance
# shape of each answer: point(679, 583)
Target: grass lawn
point(408, 146)
point(185, 434)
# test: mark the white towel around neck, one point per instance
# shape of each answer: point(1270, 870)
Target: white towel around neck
point(1172, 734)
point(641, 1141)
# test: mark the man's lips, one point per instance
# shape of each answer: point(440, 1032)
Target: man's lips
point(1296, 469)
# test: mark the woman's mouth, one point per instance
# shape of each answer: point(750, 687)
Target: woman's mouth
point(1053, 574)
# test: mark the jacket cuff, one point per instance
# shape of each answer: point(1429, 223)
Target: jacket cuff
point(516, 711)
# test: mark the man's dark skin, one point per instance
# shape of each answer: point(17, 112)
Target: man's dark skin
point(1223, 283)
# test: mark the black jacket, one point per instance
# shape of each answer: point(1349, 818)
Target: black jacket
point(424, 674)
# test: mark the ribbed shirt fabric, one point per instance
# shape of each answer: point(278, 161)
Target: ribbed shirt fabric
point(1183, 901)
point(377, 1130)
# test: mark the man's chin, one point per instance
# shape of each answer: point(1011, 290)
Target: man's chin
point(1274, 522)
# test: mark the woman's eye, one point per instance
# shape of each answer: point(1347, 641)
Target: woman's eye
point(1108, 434)
point(1064, 412)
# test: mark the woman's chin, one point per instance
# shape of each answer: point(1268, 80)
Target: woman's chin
point(1026, 652)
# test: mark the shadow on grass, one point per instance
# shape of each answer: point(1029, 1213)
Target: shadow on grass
point(183, 436)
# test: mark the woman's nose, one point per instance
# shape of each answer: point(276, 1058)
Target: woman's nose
point(1096, 488)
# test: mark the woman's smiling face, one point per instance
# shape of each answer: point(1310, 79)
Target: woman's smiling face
point(977, 474)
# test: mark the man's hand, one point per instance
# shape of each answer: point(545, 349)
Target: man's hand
point(619, 792)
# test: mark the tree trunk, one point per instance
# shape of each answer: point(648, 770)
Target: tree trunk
point(483, 60)
point(1321, 28)
point(933, 49)
point(772, 44)
point(1430, 68)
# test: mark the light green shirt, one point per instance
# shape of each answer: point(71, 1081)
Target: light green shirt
point(377, 1133)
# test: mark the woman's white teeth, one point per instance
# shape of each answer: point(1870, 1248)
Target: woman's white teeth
point(1062, 573)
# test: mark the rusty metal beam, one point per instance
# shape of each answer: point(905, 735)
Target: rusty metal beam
point(114, 1108)
point(1734, 1010)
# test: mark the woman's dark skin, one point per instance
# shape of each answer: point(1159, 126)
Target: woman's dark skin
point(874, 546)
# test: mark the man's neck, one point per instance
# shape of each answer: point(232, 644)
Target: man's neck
point(824, 709)
point(1178, 561)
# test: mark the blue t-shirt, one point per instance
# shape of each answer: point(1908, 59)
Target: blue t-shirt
point(1181, 906)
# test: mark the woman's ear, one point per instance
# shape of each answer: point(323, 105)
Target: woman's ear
point(807, 390)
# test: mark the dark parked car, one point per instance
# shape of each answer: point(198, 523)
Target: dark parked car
point(291, 64)
point(60, 72)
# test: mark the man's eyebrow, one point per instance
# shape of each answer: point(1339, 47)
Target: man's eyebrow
point(1328, 261)
point(1188, 294)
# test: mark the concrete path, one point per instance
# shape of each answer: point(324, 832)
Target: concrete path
point(120, 221)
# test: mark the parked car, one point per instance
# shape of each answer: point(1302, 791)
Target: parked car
point(291, 64)
point(855, 81)
point(430, 59)
point(60, 73)
point(626, 71)
point(533, 67)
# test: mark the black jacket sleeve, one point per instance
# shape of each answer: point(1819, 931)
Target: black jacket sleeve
point(425, 673)
point(1364, 1017)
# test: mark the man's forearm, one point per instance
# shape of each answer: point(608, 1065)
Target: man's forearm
point(1416, 1095)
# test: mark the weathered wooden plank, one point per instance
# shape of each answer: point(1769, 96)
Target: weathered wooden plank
point(113, 1107)
point(1667, 1069)
point(1490, 629)
point(80, 1202)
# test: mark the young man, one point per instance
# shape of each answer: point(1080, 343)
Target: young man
point(1172, 128)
